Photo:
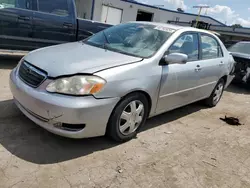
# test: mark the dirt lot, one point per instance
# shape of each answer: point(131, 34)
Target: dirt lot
point(189, 147)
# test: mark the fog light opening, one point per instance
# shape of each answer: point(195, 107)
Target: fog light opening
point(69, 127)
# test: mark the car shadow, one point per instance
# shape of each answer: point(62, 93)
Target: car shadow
point(9, 62)
point(8, 109)
point(239, 88)
point(173, 115)
point(26, 140)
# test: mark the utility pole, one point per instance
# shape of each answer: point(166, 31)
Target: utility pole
point(200, 7)
point(108, 5)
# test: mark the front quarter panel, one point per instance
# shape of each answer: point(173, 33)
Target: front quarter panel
point(142, 76)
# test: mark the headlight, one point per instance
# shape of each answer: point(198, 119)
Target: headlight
point(77, 85)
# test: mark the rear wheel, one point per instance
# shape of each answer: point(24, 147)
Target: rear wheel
point(128, 116)
point(216, 95)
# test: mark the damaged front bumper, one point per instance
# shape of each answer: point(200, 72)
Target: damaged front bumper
point(57, 113)
point(242, 67)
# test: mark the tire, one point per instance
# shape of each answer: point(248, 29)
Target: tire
point(212, 101)
point(123, 115)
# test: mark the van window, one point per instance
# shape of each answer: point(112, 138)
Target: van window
point(23, 4)
point(210, 47)
point(58, 7)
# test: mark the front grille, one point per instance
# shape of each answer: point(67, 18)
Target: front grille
point(31, 75)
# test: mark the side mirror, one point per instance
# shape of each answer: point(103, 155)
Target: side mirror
point(175, 58)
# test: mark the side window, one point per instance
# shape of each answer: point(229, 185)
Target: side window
point(210, 47)
point(58, 7)
point(23, 4)
point(186, 44)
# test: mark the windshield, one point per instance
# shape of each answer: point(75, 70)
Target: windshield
point(240, 48)
point(135, 39)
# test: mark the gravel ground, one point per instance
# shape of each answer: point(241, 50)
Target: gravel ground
point(188, 147)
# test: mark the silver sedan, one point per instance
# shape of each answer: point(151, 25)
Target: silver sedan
point(113, 81)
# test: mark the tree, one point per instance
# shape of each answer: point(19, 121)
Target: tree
point(237, 26)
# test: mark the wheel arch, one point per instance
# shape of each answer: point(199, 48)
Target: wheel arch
point(224, 78)
point(148, 97)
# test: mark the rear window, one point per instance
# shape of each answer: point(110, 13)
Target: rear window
point(240, 48)
point(210, 47)
point(57, 7)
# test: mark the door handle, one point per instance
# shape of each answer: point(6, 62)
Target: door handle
point(198, 68)
point(25, 18)
point(221, 63)
point(67, 25)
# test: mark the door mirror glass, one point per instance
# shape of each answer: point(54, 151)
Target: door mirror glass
point(177, 58)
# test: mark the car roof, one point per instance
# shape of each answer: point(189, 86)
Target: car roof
point(171, 26)
point(176, 27)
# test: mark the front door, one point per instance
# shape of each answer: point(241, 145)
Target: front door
point(180, 81)
point(16, 24)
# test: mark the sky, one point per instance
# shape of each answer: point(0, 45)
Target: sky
point(227, 11)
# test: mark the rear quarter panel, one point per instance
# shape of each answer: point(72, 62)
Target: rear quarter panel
point(228, 58)
point(229, 63)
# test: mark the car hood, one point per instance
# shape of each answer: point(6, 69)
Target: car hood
point(73, 58)
point(240, 55)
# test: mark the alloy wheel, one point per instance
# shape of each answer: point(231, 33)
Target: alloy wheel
point(218, 92)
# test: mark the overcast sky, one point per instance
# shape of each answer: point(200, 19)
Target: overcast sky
point(226, 11)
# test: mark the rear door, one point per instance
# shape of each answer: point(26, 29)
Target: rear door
point(212, 65)
point(16, 18)
point(54, 22)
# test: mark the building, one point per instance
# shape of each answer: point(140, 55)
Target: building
point(228, 34)
point(118, 11)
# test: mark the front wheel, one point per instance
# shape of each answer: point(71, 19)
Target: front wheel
point(216, 95)
point(128, 116)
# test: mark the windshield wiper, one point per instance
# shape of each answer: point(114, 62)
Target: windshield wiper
point(106, 39)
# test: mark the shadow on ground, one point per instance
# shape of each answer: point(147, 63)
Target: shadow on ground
point(24, 139)
point(239, 88)
point(9, 62)
point(8, 109)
